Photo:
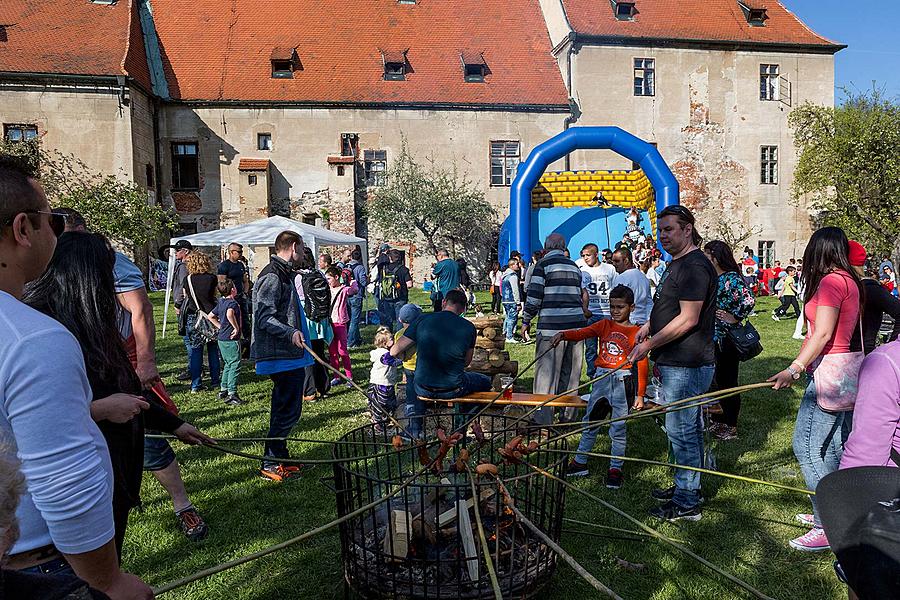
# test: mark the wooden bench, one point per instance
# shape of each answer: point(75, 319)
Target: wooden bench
point(518, 399)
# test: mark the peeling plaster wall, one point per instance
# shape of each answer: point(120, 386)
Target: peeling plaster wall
point(302, 182)
point(84, 120)
point(709, 124)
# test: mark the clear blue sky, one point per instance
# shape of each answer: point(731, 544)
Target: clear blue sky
point(871, 30)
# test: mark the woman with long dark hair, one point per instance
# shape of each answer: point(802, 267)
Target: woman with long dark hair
point(833, 295)
point(734, 303)
point(78, 290)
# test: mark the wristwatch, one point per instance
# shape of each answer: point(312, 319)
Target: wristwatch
point(795, 374)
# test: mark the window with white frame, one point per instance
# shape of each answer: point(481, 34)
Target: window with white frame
point(505, 157)
point(768, 165)
point(375, 164)
point(644, 77)
point(768, 82)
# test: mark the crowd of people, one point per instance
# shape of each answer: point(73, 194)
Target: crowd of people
point(650, 332)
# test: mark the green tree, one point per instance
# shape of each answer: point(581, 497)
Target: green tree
point(441, 204)
point(118, 209)
point(849, 167)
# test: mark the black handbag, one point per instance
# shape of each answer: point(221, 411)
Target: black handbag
point(204, 328)
point(745, 340)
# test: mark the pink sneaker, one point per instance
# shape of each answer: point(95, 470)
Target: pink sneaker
point(805, 519)
point(812, 541)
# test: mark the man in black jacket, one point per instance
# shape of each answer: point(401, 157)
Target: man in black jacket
point(277, 346)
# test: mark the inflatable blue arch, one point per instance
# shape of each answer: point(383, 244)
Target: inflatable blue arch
point(519, 229)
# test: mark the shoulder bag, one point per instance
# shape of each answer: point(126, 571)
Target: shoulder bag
point(746, 341)
point(837, 378)
point(204, 329)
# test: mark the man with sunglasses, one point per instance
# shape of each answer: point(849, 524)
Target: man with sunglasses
point(65, 518)
point(233, 268)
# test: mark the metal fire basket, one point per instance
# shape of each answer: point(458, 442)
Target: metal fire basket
point(423, 542)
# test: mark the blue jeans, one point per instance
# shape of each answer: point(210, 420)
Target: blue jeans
point(590, 348)
point(287, 404)
point(388, 311)
point(509, 323)
point(819, 438)
point(685, 427)
point(613, 389)
point(355, 303)
point(415, 408)
point(195, 360)
point(472, 382)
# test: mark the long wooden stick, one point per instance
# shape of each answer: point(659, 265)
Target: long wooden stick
point(655, 534)
point(482, 538)
point(595, 583)
point(700, 400)
point(349, 380)
point(686, 468)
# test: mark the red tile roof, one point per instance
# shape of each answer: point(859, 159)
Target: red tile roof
point(73, 38)
point(253, 164)
point(706, 20)
point(211, 52)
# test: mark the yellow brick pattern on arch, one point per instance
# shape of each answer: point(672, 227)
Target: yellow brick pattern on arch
point(569, 189)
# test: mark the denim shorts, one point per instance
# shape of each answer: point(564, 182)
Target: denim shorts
point(158, 454)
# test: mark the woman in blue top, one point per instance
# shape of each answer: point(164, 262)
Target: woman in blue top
point(734, 302)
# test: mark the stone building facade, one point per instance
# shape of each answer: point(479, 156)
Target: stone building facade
point(234, 113)
point(712, 85)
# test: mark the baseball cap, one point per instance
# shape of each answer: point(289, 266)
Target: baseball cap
point(183, 245)
point(409, 314)
point(857, 254)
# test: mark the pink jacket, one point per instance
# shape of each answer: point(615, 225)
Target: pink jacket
point(340, 311)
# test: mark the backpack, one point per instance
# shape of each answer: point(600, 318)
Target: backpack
point(346, 276)
point(317, 296)
point(389, 285)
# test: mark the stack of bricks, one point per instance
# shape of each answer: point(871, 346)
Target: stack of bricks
point(490, 356)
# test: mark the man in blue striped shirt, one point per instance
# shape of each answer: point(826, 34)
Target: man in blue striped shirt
point(555, 296)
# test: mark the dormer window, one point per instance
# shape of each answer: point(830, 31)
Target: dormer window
point(394, 64)
point(624, 11)
point(754, 13)
point(284, 62)
point(474, 67)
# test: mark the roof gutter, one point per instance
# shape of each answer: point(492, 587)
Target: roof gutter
point(729, 45)
point(112, 81)
point(500, 107)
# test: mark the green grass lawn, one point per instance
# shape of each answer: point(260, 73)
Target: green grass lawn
point(744, 530)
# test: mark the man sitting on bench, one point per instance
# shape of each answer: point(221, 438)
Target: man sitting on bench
point(445, 343)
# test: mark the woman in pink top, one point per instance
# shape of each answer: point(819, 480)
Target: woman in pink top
point(832, 293)
point(340, 317)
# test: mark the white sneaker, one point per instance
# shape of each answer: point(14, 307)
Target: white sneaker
point(775, 318)
point(799, 337)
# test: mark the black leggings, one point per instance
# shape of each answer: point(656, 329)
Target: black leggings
point(317, 379)
point(788, 301)
point(726, 377)
point(496, 304)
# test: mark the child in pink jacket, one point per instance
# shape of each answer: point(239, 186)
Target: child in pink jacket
point(340, 317)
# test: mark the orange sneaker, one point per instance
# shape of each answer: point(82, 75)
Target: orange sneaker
point(278, 472)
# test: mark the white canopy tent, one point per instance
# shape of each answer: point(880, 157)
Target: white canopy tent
point(260, 233)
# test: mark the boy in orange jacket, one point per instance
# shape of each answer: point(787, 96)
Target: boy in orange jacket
point(616, 338)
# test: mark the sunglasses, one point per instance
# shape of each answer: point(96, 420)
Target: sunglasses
point(676, 209)
point(57, 220)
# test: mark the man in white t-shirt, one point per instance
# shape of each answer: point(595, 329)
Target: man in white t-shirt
point(631, 277)
point(65, 518)
point(596, 278)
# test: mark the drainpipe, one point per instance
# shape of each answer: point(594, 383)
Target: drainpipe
point(574, 111)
